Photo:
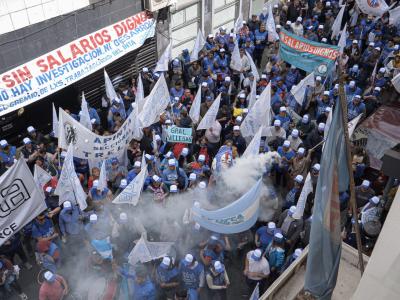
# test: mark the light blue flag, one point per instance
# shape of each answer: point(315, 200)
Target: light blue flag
point(236, 217)
point(325, 239)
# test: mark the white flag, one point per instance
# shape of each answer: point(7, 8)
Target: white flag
point(342, 40)
point(84, 117)
point(254, 147)
point(55, 122)
point(354, 16)
point(163, 61)
point(301, 203)
point(198, 45)
point(110, 91)
point(338, 23)
point(353, 124)
point(256, 293)
point(139, 99)
point(145, 251)
point(41, 176)
point(259, 115)
point(103, 176)
point(236, 61)
point(156, 103)
point(253, 94)
point(374, 71)
point(328, 125)
point(131, 194)
point(396, 82)
point(270, 26)
point(299, 90)
point(239, 23)
point(21, 200)
point(194, 112)
point(210, 116)
point(69, 187)
point(373, 7)
point(137, 126)
point(394, 16)
point(253, 67)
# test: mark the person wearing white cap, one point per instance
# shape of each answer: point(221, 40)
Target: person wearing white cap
point(297, 27)
point(167, 278)
point(276, 254)
point(69, 223)
point(116, 173)
point(283, 117)
point(159, 189)
point(174, 175)
point(7, 153)
point(217, 281)
point(290, 227)
point(98, 195)
point(260, 38)
point(192, 274)
point(323, 102)
point(277, 133)
point(290, 259)
point(371, 211)
point(355, 107)
point(29, 152)
point(137, 167)
point(294, 139)
point(282, 170)
point(364, 193)
point(36, 136)
point(256, 270)
point(54, 286)
point(293, 195)
point(264, 235)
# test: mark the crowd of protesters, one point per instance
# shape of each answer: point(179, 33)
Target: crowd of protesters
point(268, 248)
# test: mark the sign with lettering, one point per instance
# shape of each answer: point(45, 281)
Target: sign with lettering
point(61, 67)
point(179, 135)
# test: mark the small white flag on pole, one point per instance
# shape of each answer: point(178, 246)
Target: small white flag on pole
point(84, 117)
point(69, 187)
point(139, 99)
point(256, 293)
point(131, 194)
point(337, 23)
point(55, 122)
point(163, 61)
point(253, 94)
point(110, 91)
point(239, 23)
point(253, 67)
point(103, 177)
point(396, 82)
point(41, 176)
point(301, 203)
point(253, 148)
point(342, 40)
point(210, 116)
point(236, 61)
point(394, 16)
point(353, 124)
point(270, 26)
point(299, 90)
point(137, 129)
point(194, 112)
point(198, 45)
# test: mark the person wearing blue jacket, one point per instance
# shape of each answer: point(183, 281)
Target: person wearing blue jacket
point(275, 254)
point(174, 175)
point(261, 37)
point(192, 276)
point(355, 108)
point(167, 279)
point(143, 288)
point(70, 225)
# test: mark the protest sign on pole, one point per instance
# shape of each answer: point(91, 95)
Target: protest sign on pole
point(179, 135)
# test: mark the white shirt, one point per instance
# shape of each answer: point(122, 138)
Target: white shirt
point(261, 266)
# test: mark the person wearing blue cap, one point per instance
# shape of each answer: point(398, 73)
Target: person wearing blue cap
point(167, 278)
point(192, 276)
point(217, 281)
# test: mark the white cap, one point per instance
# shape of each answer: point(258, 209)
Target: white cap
point(67, 204)
point(377, 48)
point(3, 143)
point(278, 26)
point(355, 42)
point(321, 126)
point(222, 50)
point(27, 140)
point(185, 151)
point(299, 179)
point(301, 150)
point(137, 164)
point(157, 137)
point(299, 19)
point(321, 26)
point(63, 153)
point(377, 88)
point(357, 96)
point(171, 162)
point(382, 70)
point(263, 76)
point(189, 258)
point(365, 183)
point(372, 44)
point(352, 83)
point(328, 3)
point(336, 87)
point(246, 110)
point(30, 129)
point(328, 109)
point(375, 199)
point(276, 6)
point(292, 209)
point(197, 226)
point(155, 178)
point(166, 261)
point(324, 40)
point(168, 121)
point(95, 183)
point(297, 252)
point(227, 79)
point(169, 154)
point(295, 133)
point(210, 35)
point(123, 216)
point(217, 265)
point(318, 78)
point(271, 225)
point(196, 204)
point(305, 118)
point(145, 69)
point(49, 276)
point(242, 95)
point(277, 123)
point(237, 128)
point(192, 176)
point(278, 235)
point(123, 183)
point(173, 188)
point(286, 143)
point(257, 253)
point(93, 120)
point(202, 157)
point(239, 118)
point(231, 35)
point(93, 218)
point(326, 93)
point(288, 23)
point(316, 167)
point(202, 185)
point(48, 189)
point(148, 156)
point(282, 108)
point(204, 84)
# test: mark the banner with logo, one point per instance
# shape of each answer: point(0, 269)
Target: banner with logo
point(89, 145)
point(236, 217)
point(179, 135)
point(373, 7)
point(307, 55)
point(20, 200)
point(63, 66)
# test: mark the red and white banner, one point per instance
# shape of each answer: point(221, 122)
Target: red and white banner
point(61, 67)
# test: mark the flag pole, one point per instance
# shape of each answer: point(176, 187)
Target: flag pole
point(342, 99)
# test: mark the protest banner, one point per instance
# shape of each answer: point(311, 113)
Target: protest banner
point(307, 55)
point(179, 135)
point(66, 65)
